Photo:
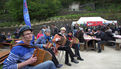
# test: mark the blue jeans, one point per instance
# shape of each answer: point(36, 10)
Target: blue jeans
point(44, 65)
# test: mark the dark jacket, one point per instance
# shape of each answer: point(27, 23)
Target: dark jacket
point(79, 35)
point(110, 36)
point(2, 38)
point(54, 31)
point(104, 36)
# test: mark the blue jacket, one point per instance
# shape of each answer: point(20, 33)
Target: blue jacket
point(42, 40)
point(18, 54)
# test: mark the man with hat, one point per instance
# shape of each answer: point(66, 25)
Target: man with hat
point(21, 57)
point(65, 47)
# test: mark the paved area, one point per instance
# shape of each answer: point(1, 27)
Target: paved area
point(108, 59)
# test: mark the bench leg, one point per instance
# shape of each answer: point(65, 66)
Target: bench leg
point(102, 46)
point(81, 47)
point(87, 46)
point(117, 46)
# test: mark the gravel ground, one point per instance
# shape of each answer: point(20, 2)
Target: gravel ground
point(107, 59)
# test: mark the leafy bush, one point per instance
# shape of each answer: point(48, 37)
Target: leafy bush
point(38, 9)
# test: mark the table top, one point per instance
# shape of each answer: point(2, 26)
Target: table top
point(117, 36)
point(87, 37)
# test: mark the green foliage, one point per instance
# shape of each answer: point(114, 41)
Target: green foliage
point(9, 24)
point(11, 11)
point(38, 9)
point(115, 16)
point(14, 8)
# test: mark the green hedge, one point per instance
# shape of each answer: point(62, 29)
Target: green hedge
point(110, 16)
point(113, 16)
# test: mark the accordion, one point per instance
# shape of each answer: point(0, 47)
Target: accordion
point(42, 56)
point(75, 40)
point(62, 41)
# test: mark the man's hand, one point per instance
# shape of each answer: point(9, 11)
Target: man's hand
point(57, 39)
point(71, 40)
point(27, 62)
point(44, 45)
point(32, 60)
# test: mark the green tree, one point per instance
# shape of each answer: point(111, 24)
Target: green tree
point(15, 9)
point(42, 9)
point(2, 6)
point(38, 9)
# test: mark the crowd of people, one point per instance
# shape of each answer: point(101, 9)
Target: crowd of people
point(62, 39)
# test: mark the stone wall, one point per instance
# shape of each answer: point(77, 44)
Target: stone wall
point(37, 26)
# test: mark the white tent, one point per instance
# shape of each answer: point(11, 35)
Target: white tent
point(84, 20)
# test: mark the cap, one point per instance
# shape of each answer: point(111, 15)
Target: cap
point(63, 28)
point(47, 30)
point(24, 28)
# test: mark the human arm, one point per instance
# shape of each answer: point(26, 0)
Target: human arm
point(27, 62)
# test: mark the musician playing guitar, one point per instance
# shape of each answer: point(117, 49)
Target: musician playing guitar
point(21, 57)
point(42, 43)
point(65, 47)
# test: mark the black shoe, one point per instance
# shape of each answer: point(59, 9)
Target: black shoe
point(80, 59)
point(59, 65)
point(99, 51)
point(75, 61)
point(68, 64)
point(75, 55)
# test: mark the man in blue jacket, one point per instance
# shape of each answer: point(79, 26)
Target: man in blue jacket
point(21, 57)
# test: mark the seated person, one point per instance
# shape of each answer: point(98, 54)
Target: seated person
point(64, 47)
point(2, 38)
point(100, 34)
point(9, 37)
point(75, 46)
point(42, 41)
point(79, 35)
point(39, 34)
point(21, 57)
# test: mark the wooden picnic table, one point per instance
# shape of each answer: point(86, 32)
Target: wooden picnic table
point(88, 38)
point(118, 41)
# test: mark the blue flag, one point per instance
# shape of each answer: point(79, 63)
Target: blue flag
point(26, 14)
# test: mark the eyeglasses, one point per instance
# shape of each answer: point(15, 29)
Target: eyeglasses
point(28, 34)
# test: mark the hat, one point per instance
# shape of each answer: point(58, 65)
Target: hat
point(24, 28)
point(80, 28)
point(44, 26)
point(47, 30)
point(63, 28)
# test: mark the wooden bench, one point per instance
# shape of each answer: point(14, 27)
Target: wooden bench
point(117, 47)
point(4, 52)
point(3, 55)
